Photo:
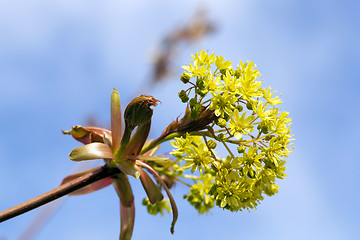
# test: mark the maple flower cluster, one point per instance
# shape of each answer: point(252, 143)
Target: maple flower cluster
point(227, 111)
point(248, 125)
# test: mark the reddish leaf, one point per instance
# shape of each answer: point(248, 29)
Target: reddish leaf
point(153, 192)
point(127, 215)
point(127, 207)
point(123, 189)
point(89, 188)
point(87, 135)
point(138, 139)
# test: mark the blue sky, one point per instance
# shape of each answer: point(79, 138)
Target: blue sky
point(59, 61)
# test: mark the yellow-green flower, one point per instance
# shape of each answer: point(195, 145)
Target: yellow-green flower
point(240, 124)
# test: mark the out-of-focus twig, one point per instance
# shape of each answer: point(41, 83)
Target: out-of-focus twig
point(197, 27)
point(164, 55)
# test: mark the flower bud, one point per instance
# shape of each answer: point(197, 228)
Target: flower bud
point(139, 111)
point(195, 111)
point(192, 102)
point(185, 78)
point(194, 115)
point(202, 92)
point(211, 144)
point(265, 129)
point(223, 71)
point(221, 122)
point(183, 96)
point(249, 106)
point(221, 137)
point(237, 73)
point(200, 83)
point(239, 108)
point(241, 149)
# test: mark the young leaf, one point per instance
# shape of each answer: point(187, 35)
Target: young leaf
point(123, 189)
point(91, 151)
point(127, 207)
point(127, 215)
point(137, 141)
point(115, 121)
point(153, 192)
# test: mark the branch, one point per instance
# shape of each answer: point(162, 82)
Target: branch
point(58, 192)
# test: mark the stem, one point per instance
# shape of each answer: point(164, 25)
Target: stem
point(58, 192)
point(159, 140)
point(124, 141)
point(228, 149)
point(212, 154)
point(181, 181)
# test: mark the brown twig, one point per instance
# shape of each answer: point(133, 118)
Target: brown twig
point(58, 192)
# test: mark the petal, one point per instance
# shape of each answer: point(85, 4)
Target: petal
point(115, 120)
point(172, 201)
point(89, 188)
point(153, 192)
point(91, 151)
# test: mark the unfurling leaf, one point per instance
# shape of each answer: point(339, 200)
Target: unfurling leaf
point(137, 141)
point(87, 135)
point(91, 151)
